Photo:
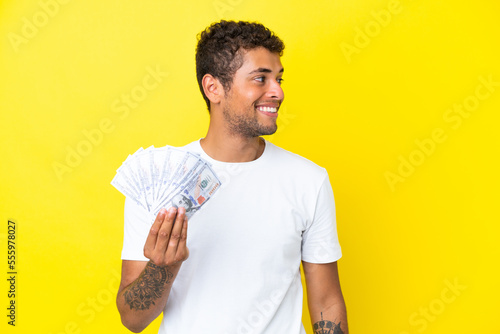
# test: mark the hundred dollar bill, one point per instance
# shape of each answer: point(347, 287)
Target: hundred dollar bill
point(156, 178)
point(195, 193)
point(178, 183)
point(141, 169)
point(126, 182)
point(179, 164)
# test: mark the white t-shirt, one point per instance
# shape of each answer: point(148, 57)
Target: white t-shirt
point(246, 245)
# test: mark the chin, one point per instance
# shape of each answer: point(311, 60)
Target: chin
point(268, 131)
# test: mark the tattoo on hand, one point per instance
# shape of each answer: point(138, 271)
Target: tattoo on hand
point(327, 327)
point(148, 287)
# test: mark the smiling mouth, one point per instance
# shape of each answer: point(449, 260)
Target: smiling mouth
point(267, 109)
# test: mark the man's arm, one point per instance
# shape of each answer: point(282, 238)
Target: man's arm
point(145, 286)
point(324, 297)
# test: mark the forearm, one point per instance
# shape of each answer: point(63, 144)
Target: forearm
point(144, 299)
point(329, 318)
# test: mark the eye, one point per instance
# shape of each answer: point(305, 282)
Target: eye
point(260, 79)
point(280, 80)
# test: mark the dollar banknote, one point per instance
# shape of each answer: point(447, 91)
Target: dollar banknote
point(164, 177)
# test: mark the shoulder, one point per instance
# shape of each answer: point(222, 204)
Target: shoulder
point(289, 162)
point(192, 146)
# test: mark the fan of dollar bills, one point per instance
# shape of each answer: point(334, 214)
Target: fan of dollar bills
point(164, 177)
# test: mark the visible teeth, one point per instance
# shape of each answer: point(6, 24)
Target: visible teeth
point(268, 109)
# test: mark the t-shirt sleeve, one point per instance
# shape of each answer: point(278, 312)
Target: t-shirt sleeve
point(320, 243)
point(137, 225)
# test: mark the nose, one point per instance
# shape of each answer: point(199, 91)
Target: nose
point(275, 91)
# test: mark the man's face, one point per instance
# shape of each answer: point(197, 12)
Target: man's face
point(250, 108)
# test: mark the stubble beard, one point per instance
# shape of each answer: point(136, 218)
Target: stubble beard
point(247, 126)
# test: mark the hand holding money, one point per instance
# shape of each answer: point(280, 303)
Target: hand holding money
point(166, 242)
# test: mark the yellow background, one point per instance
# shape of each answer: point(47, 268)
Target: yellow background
point(356, 112)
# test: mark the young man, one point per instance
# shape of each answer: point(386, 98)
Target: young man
point(237, 269)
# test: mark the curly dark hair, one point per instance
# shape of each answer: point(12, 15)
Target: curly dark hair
point(218, 51)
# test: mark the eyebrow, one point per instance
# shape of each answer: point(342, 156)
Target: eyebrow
point(265, 70)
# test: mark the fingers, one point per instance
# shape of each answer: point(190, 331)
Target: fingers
point(166, 242)
point(165, 231)
point(150, 244)
point(176, 236)
point(182, 250)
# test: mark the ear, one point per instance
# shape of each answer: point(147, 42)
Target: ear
point(213, 88)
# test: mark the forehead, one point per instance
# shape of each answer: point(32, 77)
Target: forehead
point(260, 58)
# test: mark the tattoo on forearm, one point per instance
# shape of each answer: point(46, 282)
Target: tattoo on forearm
point(148, 287)
point(327, 327)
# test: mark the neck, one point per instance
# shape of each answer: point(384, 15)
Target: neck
point(232, 148)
